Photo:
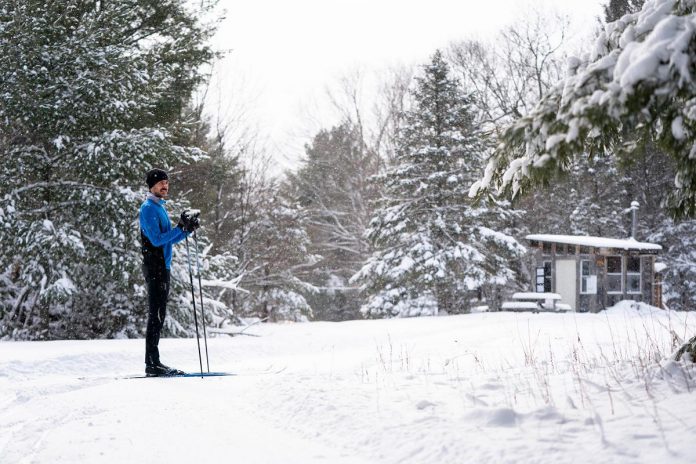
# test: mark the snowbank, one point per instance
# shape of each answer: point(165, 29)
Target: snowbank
point(489, 387)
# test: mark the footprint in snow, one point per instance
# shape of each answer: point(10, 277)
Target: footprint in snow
point(424, 404)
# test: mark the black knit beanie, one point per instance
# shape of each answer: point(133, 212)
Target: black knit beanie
point(154, 176)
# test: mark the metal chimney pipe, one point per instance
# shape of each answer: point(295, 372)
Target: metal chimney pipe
point(634, 210)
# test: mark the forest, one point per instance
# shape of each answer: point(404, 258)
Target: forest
point(418, 208)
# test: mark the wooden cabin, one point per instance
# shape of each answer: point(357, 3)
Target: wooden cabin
point(594, 273)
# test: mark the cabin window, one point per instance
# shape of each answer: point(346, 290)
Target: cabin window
point(546, 249)
point(633, 284)
point(584, 250)
point(547, 277)
point(614, 273)
point(585, 278)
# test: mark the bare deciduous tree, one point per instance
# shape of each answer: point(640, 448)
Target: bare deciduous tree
point(508, 76)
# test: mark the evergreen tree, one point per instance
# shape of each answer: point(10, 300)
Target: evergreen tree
point(212, 184)
point(433, 250)
point(333, 187)
point(679, 254)
point(598, 199)
point(274, 277)
point(591, 198)
point(615, 9)
point(90, 90)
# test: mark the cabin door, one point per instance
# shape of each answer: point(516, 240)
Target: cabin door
point(566, 280)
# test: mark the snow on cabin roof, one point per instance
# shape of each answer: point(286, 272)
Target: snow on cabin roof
point(597, 242)
point(660, 267)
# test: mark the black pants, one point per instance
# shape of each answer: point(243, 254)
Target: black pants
point(157, 280)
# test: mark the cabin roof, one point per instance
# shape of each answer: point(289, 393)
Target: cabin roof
point(597, 242)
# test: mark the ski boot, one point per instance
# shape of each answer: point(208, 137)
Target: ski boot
point(160, 370)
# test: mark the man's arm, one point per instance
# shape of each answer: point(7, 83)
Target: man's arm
point(183, 236)
point(149, 223)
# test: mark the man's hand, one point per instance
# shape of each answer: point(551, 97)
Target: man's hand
point(188, 222)
point(194, 223)
point(182, 223)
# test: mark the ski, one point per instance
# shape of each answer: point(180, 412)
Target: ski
point(271, 370)
point(185, 374)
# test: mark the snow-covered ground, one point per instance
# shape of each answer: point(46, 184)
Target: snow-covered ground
point(490, 387)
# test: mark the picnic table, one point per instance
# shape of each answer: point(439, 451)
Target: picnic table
point(535, 301)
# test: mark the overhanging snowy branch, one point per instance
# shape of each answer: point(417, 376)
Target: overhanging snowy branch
point(636, 83)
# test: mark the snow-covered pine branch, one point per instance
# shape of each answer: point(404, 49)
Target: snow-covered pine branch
point(636, 82)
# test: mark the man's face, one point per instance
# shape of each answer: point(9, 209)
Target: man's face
point(160, 189)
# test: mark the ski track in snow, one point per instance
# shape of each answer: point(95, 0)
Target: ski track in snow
point(497, 387)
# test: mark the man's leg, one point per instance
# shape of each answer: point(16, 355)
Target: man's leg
point(162, 308)
point(158, 290)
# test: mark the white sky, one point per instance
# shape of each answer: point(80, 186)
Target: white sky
point(285, 53)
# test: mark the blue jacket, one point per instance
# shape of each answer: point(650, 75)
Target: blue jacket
point(155, 224)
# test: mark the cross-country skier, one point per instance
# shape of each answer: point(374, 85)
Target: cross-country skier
point(158, 236)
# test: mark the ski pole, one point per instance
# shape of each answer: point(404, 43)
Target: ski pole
point(193, 299)
point(200, 289)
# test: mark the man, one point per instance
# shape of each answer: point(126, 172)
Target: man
point(158, 237)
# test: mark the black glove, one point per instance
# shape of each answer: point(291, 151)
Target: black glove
point(188, 222)
point(194, 223)
point(182, 222)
